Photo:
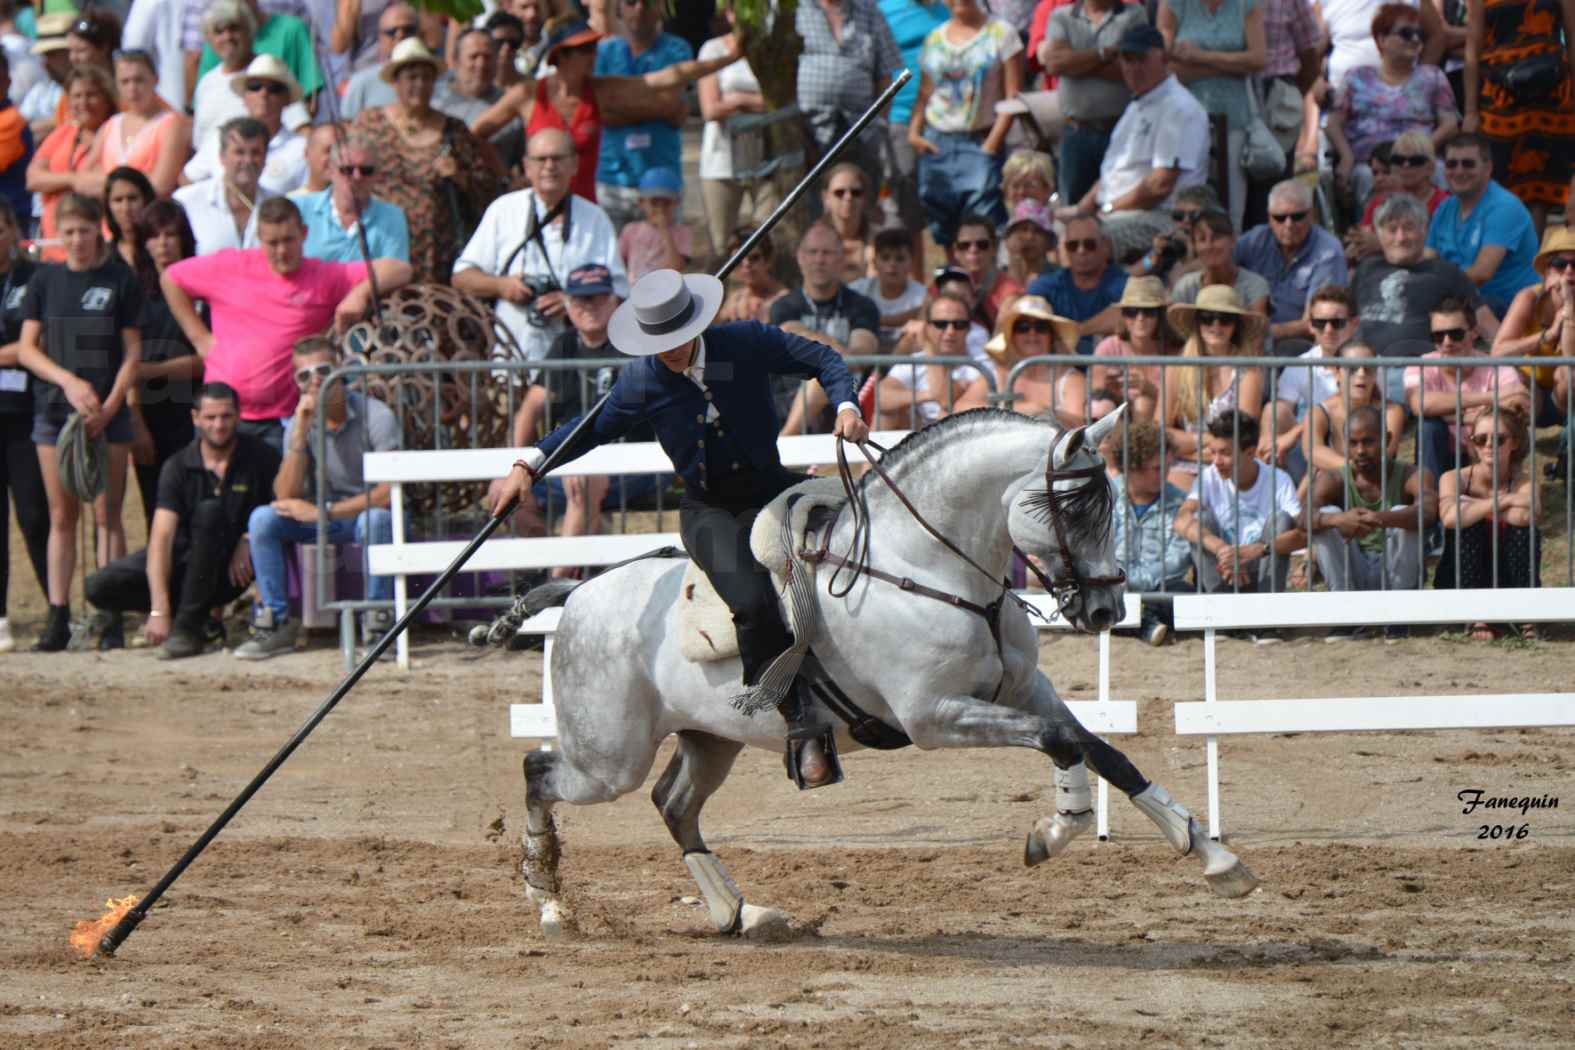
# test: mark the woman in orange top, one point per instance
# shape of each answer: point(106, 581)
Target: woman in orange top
point(67, 154)
point(146, 134)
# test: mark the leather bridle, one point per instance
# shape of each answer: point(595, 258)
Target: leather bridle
point(1069, 586)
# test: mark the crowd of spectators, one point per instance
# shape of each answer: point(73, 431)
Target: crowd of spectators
point(196, 191)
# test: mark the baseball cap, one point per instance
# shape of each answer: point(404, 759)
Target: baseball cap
point(590, 279)
point(951, 273)
point(1033, 213)
point(661, 182)
point(1141, 39)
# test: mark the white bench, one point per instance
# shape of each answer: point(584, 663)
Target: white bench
point(1213, 717)
point(1102, 715)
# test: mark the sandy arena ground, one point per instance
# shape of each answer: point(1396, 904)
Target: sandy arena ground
point(370, 896)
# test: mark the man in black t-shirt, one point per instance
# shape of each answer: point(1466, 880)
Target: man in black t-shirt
point(827, 311)
point(197, 550)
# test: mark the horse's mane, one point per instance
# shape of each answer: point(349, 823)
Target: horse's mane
point(921, 444)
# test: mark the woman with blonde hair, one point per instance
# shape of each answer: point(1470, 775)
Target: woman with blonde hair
point(1141, 332)
point(1027, 175)
point(1218, 324)
point(1028, 327)
point(64, 163)
point(146, 134)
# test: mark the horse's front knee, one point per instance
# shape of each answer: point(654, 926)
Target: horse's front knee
point(1063, 743)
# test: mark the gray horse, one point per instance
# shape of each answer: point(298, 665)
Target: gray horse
point(940, 672)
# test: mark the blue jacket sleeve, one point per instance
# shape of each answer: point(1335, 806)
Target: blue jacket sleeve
point(785, 354)
point(626, 408)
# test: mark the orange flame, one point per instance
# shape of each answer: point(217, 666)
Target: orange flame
point(88, 932)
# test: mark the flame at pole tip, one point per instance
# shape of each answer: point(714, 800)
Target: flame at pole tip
point(87, 933)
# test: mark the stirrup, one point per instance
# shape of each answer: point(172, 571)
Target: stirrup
point(797, 739)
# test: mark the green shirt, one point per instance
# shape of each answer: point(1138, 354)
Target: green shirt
point(287, 39)
point(1394, 496)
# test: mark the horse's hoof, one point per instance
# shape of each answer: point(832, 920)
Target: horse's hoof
point(554, 921)
point(1234, 880)
point(755, 921)
point(1052, 835)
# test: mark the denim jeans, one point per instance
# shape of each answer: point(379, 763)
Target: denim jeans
point(958, 180)
point(270, 531)
point(1082, 152)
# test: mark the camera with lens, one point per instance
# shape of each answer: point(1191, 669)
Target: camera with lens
point(1172, 250)
point(539, 286)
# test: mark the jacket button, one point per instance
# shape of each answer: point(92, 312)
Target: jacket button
point(700, 418)
point(700, 443)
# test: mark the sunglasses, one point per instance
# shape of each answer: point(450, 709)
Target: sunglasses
point(273, 87)
point(516, 42)
point(1409, 160)
point(1466, 163)
point(1037, 326)
point(1291, 216)
point(1410, 35)
point(303, 376)
point(1185, 216)
point(1209, 317)
point(1562, 263)
point(1456, 334)
point(1087, 244)
point(956, 326)
point(366, 171)
point(1484, 440)
point(848, 191)
point(983, 244)
point(1132, 313)
point(401, 32)
point(1320, 323)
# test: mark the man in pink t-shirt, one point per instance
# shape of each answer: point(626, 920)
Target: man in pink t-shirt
point(261, 301)
point(1433, 393)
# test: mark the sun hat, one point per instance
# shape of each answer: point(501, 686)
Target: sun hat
point(266, 67)
point(52, 31)
point(573, 32)
point(1144, 293)
point(665, 310)
point(409, 52)
point(1065, 329)
point(661, 182)
point(1220, 299)
point(1032, 212)
point(1557, 241)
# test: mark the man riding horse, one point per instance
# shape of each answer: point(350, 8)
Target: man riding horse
point(707, 394)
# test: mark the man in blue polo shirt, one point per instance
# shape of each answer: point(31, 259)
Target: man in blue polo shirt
point(630, 149)
point(331, 215)
point(1297, 257)
point(1483, 228)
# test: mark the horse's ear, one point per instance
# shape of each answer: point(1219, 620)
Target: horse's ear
point(1067, 447)
point(1098, 431)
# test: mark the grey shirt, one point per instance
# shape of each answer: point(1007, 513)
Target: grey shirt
point(844, 75)
point(366, 91)
point(462, 107)
point(369, 426)
point(1093, 98)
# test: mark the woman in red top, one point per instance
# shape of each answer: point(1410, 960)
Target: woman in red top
point(572, 99)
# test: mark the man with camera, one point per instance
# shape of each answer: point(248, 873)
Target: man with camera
point(530, 240)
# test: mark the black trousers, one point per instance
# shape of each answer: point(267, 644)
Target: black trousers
point(21, 477)
point(199, 581)
point(715, 528)
point(169, 424)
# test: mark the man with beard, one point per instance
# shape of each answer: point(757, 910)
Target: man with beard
point(197, 559)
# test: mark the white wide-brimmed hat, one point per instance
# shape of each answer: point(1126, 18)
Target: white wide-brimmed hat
point(665, 310)
point(411, 51)
point(267, 67)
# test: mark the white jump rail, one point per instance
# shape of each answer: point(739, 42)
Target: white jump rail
point(1213, 717)
point(1102, 715)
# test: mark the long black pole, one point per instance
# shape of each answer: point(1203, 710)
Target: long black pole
point(123, 929)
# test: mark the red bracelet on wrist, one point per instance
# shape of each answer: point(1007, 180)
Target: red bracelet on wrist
point(528, 468)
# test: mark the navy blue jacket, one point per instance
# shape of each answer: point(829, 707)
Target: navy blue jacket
point(740, 359)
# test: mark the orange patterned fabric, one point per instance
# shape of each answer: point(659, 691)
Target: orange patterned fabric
point(1534, 140)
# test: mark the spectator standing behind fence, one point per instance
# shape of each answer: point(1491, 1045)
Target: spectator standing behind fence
point(848, 58)
point(1541, 323)
point(1296, 256)
point(66, 156)
point(895, 293)
point(285, 37)
point(332, 216)
point(230, 26)
point(967, 65)
point(910, 22)
point(198, 559)
point(754, 287)
point(1160, 145)
point(223, 207)
point(1088, 285)
point(145, 135)
point(352, 426)
point(731, 91)
point(1434, 392)
point(1489, 510)
point(1483, 228)
point(81, 342)
point(1381, 102)
point(1151, 552)
point(1531, 124)
point(529, 241)
point(267, 88)
point(1367, 530)
point(20, 478)
point(1080, 48)
point(1218, 324)
point(42, 100)
point(262, 300)
point(1241, 514)
point(660, 240)
point(1214, 47)
point(367, 89)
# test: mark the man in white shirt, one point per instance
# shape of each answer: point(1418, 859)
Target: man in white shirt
point(1160, 145)
point(41, 101)
point(222, 209)
point(1241, 515)
point(229, 27)
point(267, 88)
point(529, 241)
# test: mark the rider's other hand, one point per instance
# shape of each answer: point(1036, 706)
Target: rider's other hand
point(850, 427)
point(509, 489)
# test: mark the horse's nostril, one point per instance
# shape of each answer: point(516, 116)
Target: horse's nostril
point(1100, 619)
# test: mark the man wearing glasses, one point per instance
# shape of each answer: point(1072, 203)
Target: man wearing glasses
point(1331, 313)
point(368, 89)
point(332, 215)
point(285, 37)
point(1088, 286)
point(1297, 257)
point(266, 87)
point(1483, 228)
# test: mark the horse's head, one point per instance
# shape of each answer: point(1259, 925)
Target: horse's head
point(1062, 517)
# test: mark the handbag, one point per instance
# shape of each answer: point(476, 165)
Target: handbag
point(1533, 79)
point(1262, 156)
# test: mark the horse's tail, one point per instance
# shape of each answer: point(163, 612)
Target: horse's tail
point(533, 601)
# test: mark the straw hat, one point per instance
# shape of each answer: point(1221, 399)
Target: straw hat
point(52, 30)
point(1144, 293)
point(1557, 241)
point(1219, 299)
point(665, 310)
point(1065, 329)
point(267, 67)
point(408, 52)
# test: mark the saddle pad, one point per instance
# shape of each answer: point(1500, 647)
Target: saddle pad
point(705, 625)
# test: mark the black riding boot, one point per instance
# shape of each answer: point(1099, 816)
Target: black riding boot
point(57, 630)
point(811, 753)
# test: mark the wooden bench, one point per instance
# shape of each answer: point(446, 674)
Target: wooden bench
point(1213, 717)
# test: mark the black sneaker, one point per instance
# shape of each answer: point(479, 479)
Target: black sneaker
point(57, 631)
point(180, 644)
point(113, 636)
point(1155, 633)
point(1396, 633)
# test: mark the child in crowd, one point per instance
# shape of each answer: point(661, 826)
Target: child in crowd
point(893, 289)
point(1030, 238)
point(662, 240)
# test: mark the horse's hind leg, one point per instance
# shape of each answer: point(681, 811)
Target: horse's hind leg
point(697, 769)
